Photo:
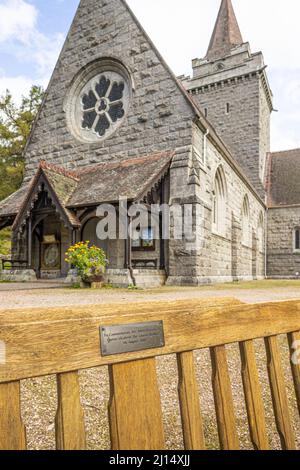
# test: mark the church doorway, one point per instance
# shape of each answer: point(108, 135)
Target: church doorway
point(89, 233)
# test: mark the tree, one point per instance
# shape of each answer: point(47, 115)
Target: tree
point(15, 126)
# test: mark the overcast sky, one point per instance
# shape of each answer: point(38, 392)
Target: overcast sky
point(32, 33)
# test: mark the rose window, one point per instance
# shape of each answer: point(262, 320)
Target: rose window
point(98, 100)
point(103, 105)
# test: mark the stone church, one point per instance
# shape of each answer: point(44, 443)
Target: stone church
point(115, 122)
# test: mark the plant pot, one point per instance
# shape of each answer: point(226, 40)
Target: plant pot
point(93, 279)
point(94, 276)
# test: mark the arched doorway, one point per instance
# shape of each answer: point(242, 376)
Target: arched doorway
point(89, 232)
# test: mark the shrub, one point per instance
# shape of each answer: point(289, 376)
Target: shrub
point(88, 260)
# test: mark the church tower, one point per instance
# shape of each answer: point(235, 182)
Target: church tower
point(231, 85)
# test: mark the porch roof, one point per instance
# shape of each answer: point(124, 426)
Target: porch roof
point(107, 182)
point(11, 205)
point(104, 182)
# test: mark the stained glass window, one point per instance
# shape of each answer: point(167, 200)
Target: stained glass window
point(102, 106)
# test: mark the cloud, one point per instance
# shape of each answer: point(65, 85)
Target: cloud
point(21, 38)
point(42, 51)
point(285, 124)
point(17, 20)
point(18, 86)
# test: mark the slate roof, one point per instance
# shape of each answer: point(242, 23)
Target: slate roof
point(283, 185)
point(105, 182)
point(61, 184)
point(226, 34)
point(11, 205)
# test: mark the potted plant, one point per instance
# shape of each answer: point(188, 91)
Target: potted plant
point(89, 261)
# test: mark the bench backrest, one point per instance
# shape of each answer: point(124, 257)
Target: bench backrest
point(62, 341)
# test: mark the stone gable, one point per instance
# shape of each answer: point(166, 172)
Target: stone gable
point(159, 117)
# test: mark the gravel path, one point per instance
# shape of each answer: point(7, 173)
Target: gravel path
point(16, 295)
point(39, 395)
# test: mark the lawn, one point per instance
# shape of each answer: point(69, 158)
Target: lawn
point(247, 285)
point(262, 284)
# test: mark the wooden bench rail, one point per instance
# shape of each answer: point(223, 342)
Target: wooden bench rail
point(36, 348)
point(62, 341)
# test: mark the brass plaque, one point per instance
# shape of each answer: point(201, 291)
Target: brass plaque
point(120, 339)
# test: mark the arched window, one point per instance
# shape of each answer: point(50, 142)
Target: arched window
point(219, 203)
point(260, 233)
point(246, 222)
point(296, 240)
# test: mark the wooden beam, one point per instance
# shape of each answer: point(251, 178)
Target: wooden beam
point(279, 395)
point(44, 341)
point(253, 397)
point(135, 408)
point(191, 417)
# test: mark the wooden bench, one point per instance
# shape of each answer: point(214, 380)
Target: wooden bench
point(62, 341)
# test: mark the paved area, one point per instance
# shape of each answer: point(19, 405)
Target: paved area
point(56, 293)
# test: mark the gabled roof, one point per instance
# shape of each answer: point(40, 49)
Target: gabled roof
point(283, 187)
point(226, 34)
point(197, 114)
point(59, 183)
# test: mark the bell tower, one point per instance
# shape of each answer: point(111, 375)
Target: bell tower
point(231, 86)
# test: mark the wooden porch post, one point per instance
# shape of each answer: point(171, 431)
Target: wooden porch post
point(128, 247)
point(162, 260)
point(74, 232)
point(29, 243)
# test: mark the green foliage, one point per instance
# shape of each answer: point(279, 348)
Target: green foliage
point(132, 287)
point(15, 126)
point(88, 260)
point(5, 242)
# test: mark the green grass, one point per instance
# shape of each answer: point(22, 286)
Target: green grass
point(5, 242)
point(264, 284)
point(247, 285)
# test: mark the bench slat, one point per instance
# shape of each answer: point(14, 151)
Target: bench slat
point(279, 395)
point(70, 429)
point(191, 417)
point(294, 340)
point(135, 409)
point(12, 430)
point(223, 399)
point(253, 397)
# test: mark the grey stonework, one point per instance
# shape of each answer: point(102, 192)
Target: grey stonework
point(159, 117)
point(218, 258)
point(11, 275)
point(162, 117)
point(234, 93)
point(282, 260)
